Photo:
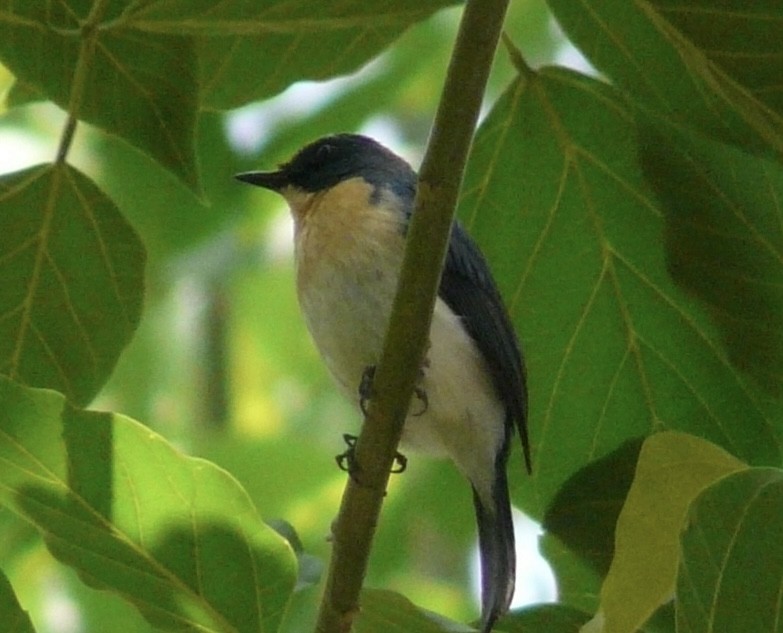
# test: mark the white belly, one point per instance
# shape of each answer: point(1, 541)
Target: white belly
point(346, 295)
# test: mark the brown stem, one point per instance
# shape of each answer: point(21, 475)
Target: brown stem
point(439, 182)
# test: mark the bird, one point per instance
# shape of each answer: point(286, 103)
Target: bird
point(351, 200)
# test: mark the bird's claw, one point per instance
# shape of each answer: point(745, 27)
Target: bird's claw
point(346, 461)
point(400, 463)
point(421, 396)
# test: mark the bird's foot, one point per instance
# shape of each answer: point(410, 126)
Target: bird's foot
point(346, 461)
point(365, 388)
point(366, 392)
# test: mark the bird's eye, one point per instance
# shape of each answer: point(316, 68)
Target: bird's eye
point(324, 153)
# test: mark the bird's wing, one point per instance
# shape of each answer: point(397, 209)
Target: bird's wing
point(469, 290)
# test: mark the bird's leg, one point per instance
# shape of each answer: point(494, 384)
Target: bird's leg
point(347, 460)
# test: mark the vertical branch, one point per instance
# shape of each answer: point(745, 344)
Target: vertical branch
point(428, 234)
point(79, 81)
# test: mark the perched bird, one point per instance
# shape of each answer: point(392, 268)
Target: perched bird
point(351, 200)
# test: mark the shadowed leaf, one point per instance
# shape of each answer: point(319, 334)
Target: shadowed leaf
point(724, 240)
point(585, 509)
point(552, 618)
point(249, 51)
point(71, 281)
point(13, 617)
point(731, 566)
point(140, 86)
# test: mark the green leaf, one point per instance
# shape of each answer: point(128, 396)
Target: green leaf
point(71, 281)
point(615, 349)
point(724, 240)
point(662, 621)
point(142, 87)
point(249, 51)
point(140, 70)
point(552, 618)
point(13, 617)
point(714, 64)
point(175, 536)
point(673, 469)
point(22, 94)
point(730, 573)
point(389, 612)
point(578, 582)
point(169, 218)
point(585, 509)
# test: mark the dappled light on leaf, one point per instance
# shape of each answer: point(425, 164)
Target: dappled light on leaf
point(175, 536)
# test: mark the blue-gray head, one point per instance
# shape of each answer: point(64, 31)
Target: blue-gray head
point(331, 160)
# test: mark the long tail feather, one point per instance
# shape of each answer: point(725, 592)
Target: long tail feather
point(498, 556)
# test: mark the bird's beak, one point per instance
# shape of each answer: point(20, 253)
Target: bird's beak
point(272, 180)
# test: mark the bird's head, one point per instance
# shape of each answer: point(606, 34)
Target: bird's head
point(332, 160)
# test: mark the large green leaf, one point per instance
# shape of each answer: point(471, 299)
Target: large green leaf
point(731, 570)
point(555, 195)
point(248, 51)
point(724, 240)
point(673, 469)
point(715, 64)
point(13, 617)
point(71, 281)
point(175, 536)
point(138, 85)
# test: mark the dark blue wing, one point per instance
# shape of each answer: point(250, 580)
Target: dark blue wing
point(469, 290)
